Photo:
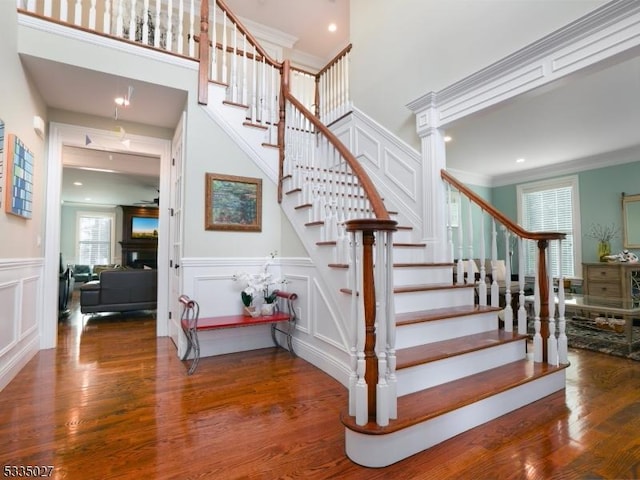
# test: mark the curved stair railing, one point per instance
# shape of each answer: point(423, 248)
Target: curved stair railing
point(548, 345)
point(342, 199)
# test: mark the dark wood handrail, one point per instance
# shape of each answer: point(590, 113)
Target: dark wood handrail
point(334, 60)
point(502, 218)
point(252, 40)
point(379, 210)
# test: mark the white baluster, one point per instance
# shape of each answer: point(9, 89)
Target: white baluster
point(563, 354)
point(552, 341)
point(169, 45)
point(245, 72)
point(522, 312)
point(234, 66)
point(537, 337)
point(119, 21)
point(132, 20)
point(482, 285)
point(382, 388)
point(263, 92)
point(362, 413)
point(224, 78)
point(145, 23)
point(77, 19)
point(391, 332)
point(47, 8)
point(353, 377)
point(31, 5)
point(495, 289)
point(460, 265)
point(214, 40)
point(180, 46)
point(449, 226)
point(508, 310)
point(64, 10)
point(192, 41)
point(157, 33)
point(254, 88)
point(106, 19)
point(92, 15)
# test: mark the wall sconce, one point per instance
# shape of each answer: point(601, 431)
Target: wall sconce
point(38, 126)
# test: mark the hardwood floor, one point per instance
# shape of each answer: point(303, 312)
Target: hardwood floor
point(114, 402)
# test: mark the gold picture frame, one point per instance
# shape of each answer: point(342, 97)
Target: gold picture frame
point(233, 203)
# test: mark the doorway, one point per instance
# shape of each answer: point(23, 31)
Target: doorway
point(75, 135)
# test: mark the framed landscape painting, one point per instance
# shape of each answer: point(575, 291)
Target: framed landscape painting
point(233, 203)
point(19, 194)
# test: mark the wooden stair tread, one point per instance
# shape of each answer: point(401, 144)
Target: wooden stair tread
point(424, 288)
point(407, 318)
point(423, 264)
point(418, 355)
point(427, 404)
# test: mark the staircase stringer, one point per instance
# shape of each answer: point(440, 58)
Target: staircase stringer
point(250, 140)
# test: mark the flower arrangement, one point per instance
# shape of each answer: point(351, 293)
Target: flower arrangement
point(259, 283)
point(603, 233)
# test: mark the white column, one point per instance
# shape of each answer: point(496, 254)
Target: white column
point(434, 160)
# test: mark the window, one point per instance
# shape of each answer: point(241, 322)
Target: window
point(95, 235)
point(552, 206)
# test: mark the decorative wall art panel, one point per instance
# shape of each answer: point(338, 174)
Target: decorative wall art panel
point(19, 193)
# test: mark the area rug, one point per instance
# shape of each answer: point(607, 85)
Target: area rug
point(582, 333)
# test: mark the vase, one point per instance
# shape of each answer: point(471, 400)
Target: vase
point(267, 308)
point(604, 250)
point(251, 311)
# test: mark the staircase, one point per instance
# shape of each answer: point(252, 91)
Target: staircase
point(455, 368)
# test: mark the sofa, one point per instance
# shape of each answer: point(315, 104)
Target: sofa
point(120, 291)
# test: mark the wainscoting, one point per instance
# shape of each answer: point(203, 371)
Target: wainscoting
point(20, 315)
point(321, 335)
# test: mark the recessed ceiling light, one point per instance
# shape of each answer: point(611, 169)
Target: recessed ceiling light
point(332, 27)
point(77, 184)
point(447, 138)
point(520, 160)
point(121, 101)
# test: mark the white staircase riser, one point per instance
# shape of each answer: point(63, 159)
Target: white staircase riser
point(422, 275)
point(432, 374)
point(445, 329)
point(409, 254)
point(429, 299)
point(383, 450)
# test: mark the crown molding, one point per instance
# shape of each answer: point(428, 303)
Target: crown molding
point(608, 31)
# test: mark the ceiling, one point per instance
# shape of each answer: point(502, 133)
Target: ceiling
point(589, 121)
point(594, 116)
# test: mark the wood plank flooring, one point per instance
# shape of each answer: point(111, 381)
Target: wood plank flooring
point(114, 402)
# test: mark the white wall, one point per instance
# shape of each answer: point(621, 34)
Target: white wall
point(21, 262)
point(403, 50)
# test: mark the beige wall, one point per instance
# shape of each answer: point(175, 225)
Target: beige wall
point(403, 50)
point(19, 103)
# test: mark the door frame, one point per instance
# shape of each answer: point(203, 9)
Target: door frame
point(60, 135)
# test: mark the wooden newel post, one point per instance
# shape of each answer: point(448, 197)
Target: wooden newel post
point(369, 292)
point(543, 288)
point(284, 91)
point(203, 54)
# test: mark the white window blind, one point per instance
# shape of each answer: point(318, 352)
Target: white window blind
point(551, 207)
point(94, 234)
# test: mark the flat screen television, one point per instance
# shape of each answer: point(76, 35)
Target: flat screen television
point(144, 228)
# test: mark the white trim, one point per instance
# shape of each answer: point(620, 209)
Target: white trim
point(559, 182)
